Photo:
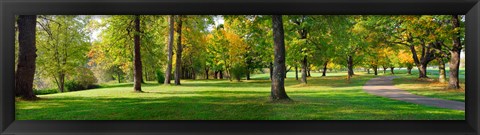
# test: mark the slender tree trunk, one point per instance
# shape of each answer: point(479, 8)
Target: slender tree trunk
point(118, 77)
point(368, 70)
point(248, 74)
point(350, 66)
point(304, 70)
point(308, 71)
point(391, 70)
point(26, 57)
point(441, 70)
point(206, 73)
point(221, 74)
point(215, 76)
point(409, 70)
point(296, 72)
point(61, 84)
point(178, 63)
point(375, 70)
point(278, 86)
point(324, 73)
point(168, 72)
point(453, 82)
point(137, 58)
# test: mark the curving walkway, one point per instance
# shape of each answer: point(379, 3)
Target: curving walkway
point(383, 86)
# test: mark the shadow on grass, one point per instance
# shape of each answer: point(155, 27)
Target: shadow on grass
point(304, 107)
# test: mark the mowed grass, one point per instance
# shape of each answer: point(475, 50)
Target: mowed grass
point(323, 98)
point(431, 87)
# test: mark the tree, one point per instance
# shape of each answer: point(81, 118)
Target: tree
point(168, 71)
point(178, 63)
point(27, 56)
point(278, 88)
point(455, 50)
point(137, 57)
point(62, 44)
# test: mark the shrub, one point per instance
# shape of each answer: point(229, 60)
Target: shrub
point(238, 72)
point(160, 76)
point(71, 85)
point(45, 91)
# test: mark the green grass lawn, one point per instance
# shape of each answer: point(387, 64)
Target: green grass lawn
point(324, 98)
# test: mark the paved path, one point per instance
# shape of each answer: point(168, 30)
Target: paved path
point(383, 86)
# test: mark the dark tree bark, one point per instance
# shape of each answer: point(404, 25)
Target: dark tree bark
point(324, 73)
point(26, 57)
point(170, 49)
point(391, 70)
point(296, 72)
point(375, 70)
point(427, 55)
point(409, 70)
point(206, 73)
point(221, 74)
point(308, 71)
point(350, 66)
point(368, 70)
point(248, 74)
point(453, 82)
point(304, 70)
point(178, 63)
point(61, 83)
point(278, 86)
point(215, 76)
point(137, 80)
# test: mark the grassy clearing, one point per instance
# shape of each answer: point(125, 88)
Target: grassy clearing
point(431, 88)
point(324, 98)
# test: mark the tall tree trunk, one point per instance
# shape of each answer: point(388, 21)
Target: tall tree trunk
point(215, 76)
point(137, 80)
point(324, 72)
point(271, 70)
point(409, 70)
point(221, 74)
point(422, 71)
point(427, 55)
point(441, 70)
point(168, 72)
point(26, 57)
point(350, 66)
point(368, 70)
point(453, 82)
point(118, 77)
point(308, 71)
point(384, 70)
point(206, 73)
point(296, 72)
point(61, 83)
point(278, 86)
point(304, 69)
point(375, 70)
point(178, 63)
point(391, 70)
point(248, 74)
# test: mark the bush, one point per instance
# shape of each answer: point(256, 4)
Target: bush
point(45, 91)
point(160, 76)
point(71, 85)
point(238, 72)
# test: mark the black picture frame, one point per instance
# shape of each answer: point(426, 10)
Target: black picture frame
point(10, 8)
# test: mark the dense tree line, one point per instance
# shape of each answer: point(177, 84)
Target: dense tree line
point(143, 48)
